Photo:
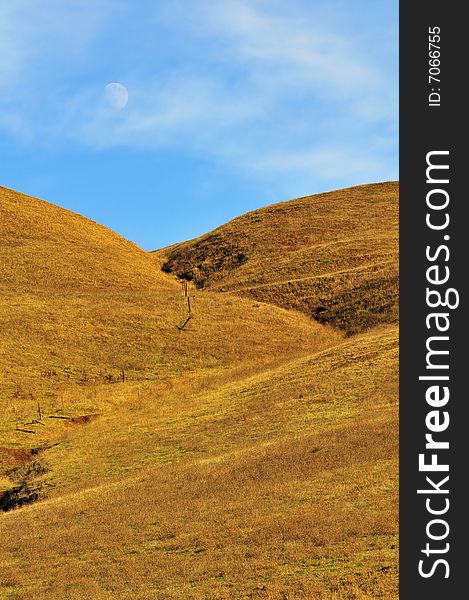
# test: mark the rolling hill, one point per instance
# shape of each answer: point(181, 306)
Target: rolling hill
point(79, 304)
point(281, 485)
point(332, 256)
point(248, 453)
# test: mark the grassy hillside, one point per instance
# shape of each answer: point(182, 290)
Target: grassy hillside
point(332, 256)
point(46, 246)
point(79, 304)
point(278, 485)
point(248, 453)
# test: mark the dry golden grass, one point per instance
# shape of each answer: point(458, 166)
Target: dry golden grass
point(46, 246)
point(332, 256)
point(276, 487)
point(114, 310)
point(251, 455)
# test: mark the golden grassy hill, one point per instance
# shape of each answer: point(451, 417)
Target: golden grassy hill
point(252, 454)
point(281, 484)
point(45, 246)
point(78, 303)
point(332, 256)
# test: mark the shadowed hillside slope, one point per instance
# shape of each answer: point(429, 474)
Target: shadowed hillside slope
point(332, 256)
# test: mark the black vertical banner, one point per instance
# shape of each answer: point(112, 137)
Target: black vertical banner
point(434, 241)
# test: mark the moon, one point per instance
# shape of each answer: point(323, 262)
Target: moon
point(117, 95)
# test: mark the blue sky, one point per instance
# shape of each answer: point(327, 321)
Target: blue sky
point(233, 104)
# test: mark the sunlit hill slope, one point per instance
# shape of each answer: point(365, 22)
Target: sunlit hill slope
point(249, 451)
point(80, 303)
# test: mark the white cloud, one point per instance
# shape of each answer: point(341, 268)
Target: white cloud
point(185, 111)
point(30, 30)
point(323, 163)
point(297, 48)
point(262, 88)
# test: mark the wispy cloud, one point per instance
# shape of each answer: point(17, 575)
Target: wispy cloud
point(265, 87)
point(331, 162)
point(293, 45)
point(37, 36)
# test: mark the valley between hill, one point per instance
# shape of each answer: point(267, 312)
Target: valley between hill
point(248, 452)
